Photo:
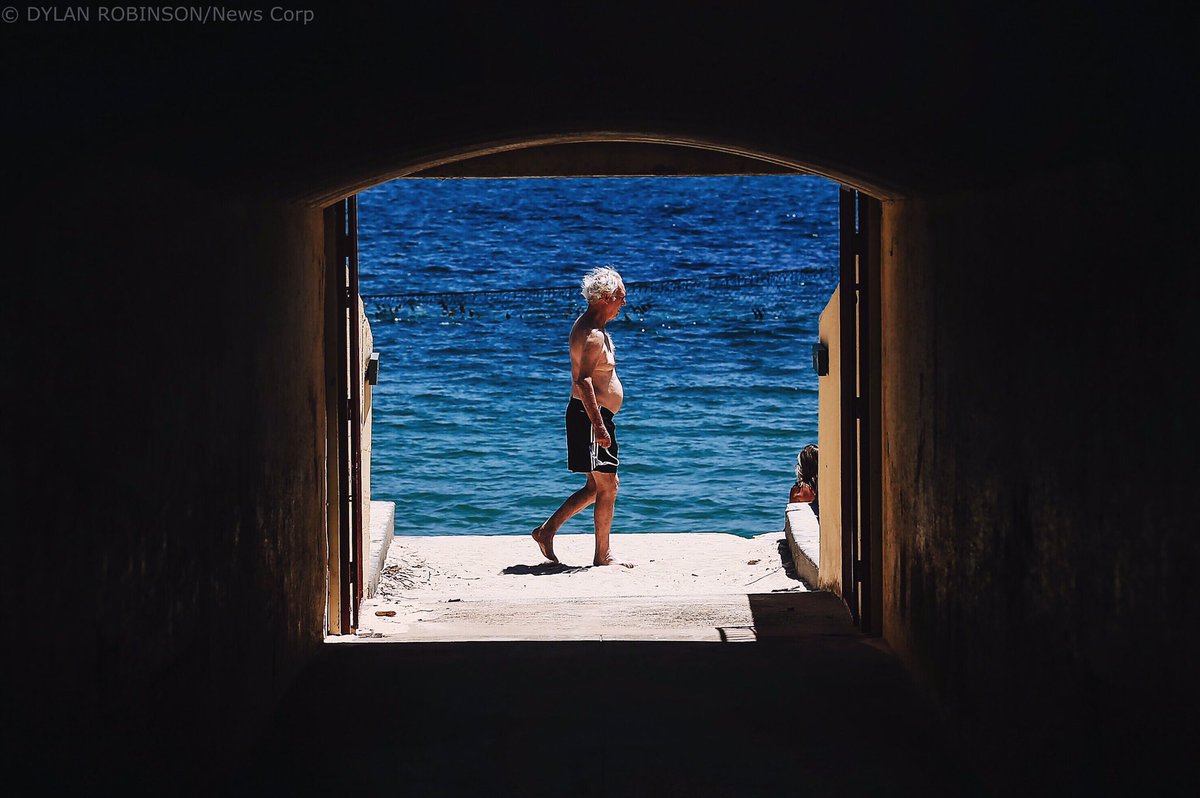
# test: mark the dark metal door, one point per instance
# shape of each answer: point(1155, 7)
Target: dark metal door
point(344, 416)
point(861, 406)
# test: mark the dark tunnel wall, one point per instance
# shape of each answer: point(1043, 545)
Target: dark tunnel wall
point(167, 571)
point(1038, 555)
point(162, 373)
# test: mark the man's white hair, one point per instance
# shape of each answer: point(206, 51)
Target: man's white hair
point(600, 284)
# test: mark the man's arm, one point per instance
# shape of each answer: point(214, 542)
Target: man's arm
point(589, 359)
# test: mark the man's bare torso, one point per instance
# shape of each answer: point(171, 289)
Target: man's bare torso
point(609, 392)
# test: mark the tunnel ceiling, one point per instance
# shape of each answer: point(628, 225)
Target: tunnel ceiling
point(916, 102)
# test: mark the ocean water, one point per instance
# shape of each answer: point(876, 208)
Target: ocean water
point(720, 391)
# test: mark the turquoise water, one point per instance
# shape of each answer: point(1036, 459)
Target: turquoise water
point(720, 393)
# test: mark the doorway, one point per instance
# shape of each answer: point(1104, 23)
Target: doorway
point(858, 596)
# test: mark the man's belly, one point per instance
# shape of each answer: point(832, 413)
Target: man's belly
point(611, 395)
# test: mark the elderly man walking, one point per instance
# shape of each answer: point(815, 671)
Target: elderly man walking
point(596, 396)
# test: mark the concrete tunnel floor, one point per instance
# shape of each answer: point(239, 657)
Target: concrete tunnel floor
point(685, 586)
point(810, 707)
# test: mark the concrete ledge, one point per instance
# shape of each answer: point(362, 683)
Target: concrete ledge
point(383, 523)
point(804, 539)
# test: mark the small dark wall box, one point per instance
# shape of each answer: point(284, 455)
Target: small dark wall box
point(820, 359)
point(373, 369)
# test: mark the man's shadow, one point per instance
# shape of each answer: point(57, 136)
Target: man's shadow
point(544, 569)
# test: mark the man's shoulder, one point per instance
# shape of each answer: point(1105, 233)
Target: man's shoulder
point(584, 334)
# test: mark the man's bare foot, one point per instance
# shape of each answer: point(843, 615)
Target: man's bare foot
point(611, 560)
point(545, 543)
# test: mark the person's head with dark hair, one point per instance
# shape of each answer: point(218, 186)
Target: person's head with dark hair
point(805, 489)
point(806, 466)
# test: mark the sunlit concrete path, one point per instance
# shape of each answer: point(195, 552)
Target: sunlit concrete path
point(810, 708)
point(688, 587)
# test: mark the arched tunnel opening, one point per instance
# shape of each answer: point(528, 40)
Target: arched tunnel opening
point(586, 652)
point(730, 273)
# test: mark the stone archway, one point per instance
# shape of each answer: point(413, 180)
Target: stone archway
point(640, 154)
point(601, 153)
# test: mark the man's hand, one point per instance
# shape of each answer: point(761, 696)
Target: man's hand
point(602, 439)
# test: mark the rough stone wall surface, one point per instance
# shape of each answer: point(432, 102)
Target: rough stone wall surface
point(1038, 562)
point(178, 582)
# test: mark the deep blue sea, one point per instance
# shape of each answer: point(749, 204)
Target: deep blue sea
point(720, 394)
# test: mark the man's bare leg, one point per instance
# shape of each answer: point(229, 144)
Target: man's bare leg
point(545, 532)
point(606, 499)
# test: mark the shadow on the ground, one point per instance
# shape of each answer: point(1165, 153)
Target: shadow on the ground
point(545, 569)
point(786, 560)
point(812, 708)
point(789, 616)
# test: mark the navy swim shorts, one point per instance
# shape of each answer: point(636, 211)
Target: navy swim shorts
point(583, 455)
